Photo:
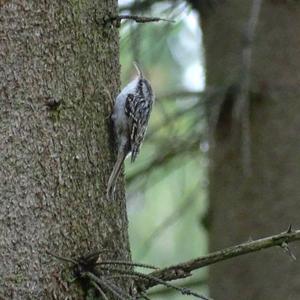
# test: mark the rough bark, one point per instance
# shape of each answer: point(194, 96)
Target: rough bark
point(266, 200)
point(56, 158)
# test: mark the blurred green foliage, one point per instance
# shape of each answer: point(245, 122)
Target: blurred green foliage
point(167, 184)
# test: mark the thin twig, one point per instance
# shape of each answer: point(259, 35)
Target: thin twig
point(184, 269)
point(139, 19)
point(108, 285)
point(126, 263)
point(144, 296)
point(288, 251)
point(116, 289)
point(192, 283)
point(184, 291)
point(152, 278)
point(99, 289)
point(66, 259)
point(118, 276)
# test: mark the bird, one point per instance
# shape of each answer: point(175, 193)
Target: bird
point(130, 118)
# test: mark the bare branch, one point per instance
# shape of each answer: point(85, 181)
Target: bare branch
point(163, 276)
point(99, 289)
point(126, 263)
point(119, 293)
point(139, 19)
point(288, 251)
point(190, 284)
point(144, 296)
point(65, 259)
point(184, 269)
point(154, 281)
point(85, 268)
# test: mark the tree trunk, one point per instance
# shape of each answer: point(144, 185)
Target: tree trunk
point(59, 63)
point(265, 200)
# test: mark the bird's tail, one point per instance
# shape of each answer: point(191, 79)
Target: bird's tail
point(138, 69)
point(114, 176)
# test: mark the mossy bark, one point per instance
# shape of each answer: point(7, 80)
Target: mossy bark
point(59, 63)
point(265, 200)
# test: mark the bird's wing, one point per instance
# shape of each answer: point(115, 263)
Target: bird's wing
point(137, 109)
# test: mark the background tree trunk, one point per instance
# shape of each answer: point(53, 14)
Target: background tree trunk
point(55, 159)
point(266, 201)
